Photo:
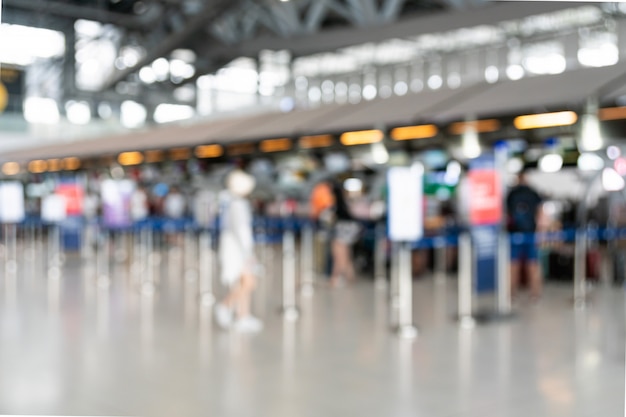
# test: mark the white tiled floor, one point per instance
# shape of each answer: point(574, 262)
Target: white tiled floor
point(69, 348)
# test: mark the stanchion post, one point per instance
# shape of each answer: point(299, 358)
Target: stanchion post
point(440, 260)
point(580, 266)
point(504, 277)
point(306, 260)
point(54, 256)
point(11, 248)
point(380, 249)
point(206, 260)
point(466, 269)
point(190, 254)
point(147, 284)
point(394, 275)
point(406, 329)
point(289, 308)
point(103, 273)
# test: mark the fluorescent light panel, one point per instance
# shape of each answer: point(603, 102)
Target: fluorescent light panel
point(209, 151)
point(275, 145)
point(361, 137)
point(317, 141)
point(543, 120)
point(478, 126)
point(414, 132)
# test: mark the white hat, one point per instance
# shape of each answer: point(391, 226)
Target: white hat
point(240, 183)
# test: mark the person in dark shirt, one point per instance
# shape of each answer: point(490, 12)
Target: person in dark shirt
point(345, 233)
point(523, 204)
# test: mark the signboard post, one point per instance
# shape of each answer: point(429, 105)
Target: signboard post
point(405, 226)
point(11, 212)
point(490, 246)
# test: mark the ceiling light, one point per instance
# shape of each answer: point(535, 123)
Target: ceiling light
point(41, 110)
point(275, 145)
point(130, 158)
point(590, 134)
point(478, 126)
point(551, 163)
point(362, 137)
point(542, 120)
point(10, 168)
point(470, 144)
point(71, 163)
point(590, 162)
point(414, 132)
point(78, 112)
point(165, 113)
point(147, 75)
point(209, 151)
point(515, 72)
point(317, 141)
point(132, 114)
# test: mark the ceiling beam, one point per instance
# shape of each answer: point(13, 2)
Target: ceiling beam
point(432, 22)
point(73, 11)
point(175, 40)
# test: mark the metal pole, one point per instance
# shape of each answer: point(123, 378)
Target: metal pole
point(11, 249)
point(395, 273)
point(147, 286)
point(380, 275)
point(289, 309)
point(103, 277)
point(306, 260)
point(406, 329)
point(466, 269)
point(504, 271)
point(54, 257)
point(440, 260)
point(580, 266)
point(190, 255)
point(206, 260)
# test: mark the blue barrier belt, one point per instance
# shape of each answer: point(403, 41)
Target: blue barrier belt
point(270, 229)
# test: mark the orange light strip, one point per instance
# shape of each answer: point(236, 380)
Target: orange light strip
point(241, 149)
point(361, 137)
point(478, 126)
point(317, 141)
point(38, 166)
point(54, 165)
point(542, 120)
point(179, 154)
point(275, 145)
point(130, 158)
point(154, 156)
point(209, 151)
point(414, 132)
point(612, 113)
point(10, 168)
point(71, 163)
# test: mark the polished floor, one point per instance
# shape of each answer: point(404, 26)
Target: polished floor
point(71, 347)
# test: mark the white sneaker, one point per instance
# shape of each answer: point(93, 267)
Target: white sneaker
point(249, 324)
point(223, 316)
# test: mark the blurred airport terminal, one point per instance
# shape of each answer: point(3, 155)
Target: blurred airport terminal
point(312, 208)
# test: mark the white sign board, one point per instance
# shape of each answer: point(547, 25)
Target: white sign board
point(53, 208)
point(11, 202)
point(406, 214)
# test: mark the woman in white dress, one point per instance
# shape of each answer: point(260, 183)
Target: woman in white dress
point(236, 253)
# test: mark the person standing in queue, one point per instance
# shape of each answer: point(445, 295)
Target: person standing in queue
point(345, 233)
point(523, 208)
point(236, 255)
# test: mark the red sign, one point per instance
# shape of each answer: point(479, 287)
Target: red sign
point(74, 196)
point(485, 197)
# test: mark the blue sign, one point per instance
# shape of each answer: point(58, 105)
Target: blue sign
point(485, 241)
